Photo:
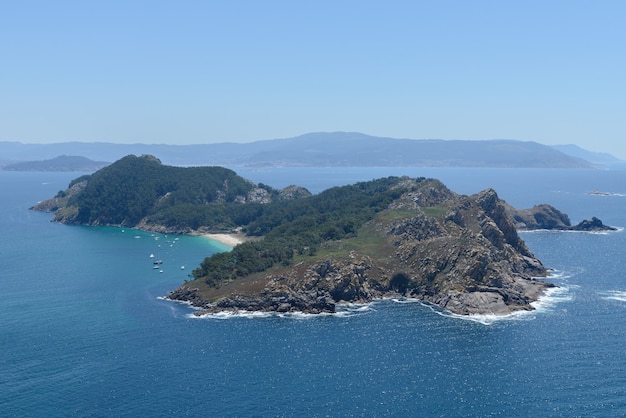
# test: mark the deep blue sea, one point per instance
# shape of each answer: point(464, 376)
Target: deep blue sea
point(83, 331)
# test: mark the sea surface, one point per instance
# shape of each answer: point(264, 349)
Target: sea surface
point(84, 330)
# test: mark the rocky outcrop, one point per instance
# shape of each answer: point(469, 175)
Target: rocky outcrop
point(59, 202)
point(593, 225)
point(549, 218)
point(293, 192)
point(469, 261)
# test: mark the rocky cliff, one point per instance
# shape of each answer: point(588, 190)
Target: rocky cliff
point(461, 253)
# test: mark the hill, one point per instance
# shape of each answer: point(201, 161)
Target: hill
point(142, 192)
point(61, 163)
point(319, 149)
point(393, 236)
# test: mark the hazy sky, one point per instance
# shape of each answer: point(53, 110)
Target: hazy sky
point(214, 71)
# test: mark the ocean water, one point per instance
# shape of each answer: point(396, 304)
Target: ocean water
point(83, 331)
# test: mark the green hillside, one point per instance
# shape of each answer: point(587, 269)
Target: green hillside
point(140, 191)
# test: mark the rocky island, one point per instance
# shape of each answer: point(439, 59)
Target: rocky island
point(396, 236)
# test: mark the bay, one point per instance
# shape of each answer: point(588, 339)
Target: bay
point(84, 333)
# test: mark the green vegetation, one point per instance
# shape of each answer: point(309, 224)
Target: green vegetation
point(438, 211)
point(298, 227)
point(137, 188)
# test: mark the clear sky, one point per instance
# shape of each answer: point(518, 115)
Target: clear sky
point(186, 71)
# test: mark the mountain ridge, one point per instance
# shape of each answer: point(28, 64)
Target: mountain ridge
point(319, 149)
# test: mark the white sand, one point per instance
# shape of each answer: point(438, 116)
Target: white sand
point(229, 239)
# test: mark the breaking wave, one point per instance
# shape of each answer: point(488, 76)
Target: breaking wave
point(618, 295)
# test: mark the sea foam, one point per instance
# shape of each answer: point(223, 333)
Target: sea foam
point(618, 295)
point(343, 310)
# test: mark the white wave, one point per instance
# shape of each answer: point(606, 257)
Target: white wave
point(484, 319)
point(343, 310)
point(355, 307)
point(618, 229)
point(233, 314)
point(553, 297)
point(546, 302)
point(181, 302)
point(605, 194)
point(262, 315)
point(554, 274)
point(360, 308)
point(406, 300)
point(618, 295)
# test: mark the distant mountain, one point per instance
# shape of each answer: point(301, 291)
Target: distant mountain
point(61, 163)
point(600, 159)
point(349, 149)
point(356, 149)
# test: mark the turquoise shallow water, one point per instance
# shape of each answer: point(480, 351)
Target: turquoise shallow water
point(84, 333)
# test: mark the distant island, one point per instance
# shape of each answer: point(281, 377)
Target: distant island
point(331, 149)
point(61, 163)
point(395, 236)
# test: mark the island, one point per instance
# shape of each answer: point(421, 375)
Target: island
point(60, 163)
point(389, 237)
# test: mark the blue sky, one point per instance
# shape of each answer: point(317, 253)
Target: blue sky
point(183, 72)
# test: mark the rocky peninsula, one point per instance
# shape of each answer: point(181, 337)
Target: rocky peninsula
point(461, 253)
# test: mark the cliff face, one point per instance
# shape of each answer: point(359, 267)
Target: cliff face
point(470, 260)
point(461, 253)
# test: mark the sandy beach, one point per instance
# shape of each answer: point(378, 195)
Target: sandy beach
point(229, 239)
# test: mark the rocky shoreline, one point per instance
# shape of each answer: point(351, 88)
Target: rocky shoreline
point(493, 272)
point(349, 283)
